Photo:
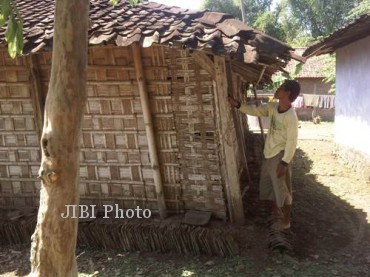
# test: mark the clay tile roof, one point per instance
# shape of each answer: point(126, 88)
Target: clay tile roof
point(352, 32)
point(152, 23)
point(312, 68)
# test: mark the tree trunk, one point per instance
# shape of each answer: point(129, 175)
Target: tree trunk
point(54, 241)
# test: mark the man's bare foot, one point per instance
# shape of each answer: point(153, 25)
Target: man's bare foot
point(280, 226)
point(277, 213)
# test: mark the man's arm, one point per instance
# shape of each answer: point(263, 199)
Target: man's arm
point(262, 110)
point(292, 138)
point(290, 147)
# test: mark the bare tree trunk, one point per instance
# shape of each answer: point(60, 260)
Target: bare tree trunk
point(54, 241)
point(244, 19)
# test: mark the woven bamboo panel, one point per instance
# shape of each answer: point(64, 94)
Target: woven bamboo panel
point(161, 105)
point(115, 165)
point(19, 140)
point(193, 108)
point(115, 162)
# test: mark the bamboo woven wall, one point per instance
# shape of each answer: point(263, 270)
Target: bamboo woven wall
point(197, 135)
point(115, 165)
point(19, 140)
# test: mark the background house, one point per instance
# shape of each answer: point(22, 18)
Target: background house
point(311, 78)
point(352, 116)
point(192, 60)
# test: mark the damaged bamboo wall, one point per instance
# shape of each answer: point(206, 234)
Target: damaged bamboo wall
point(19, 138)
point(115, 161)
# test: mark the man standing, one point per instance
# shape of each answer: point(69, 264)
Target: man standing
point(280, 146)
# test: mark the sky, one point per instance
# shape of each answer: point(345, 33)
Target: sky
point(186, 4)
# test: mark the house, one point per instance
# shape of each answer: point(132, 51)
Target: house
point(311, 78)
point(191, 59)
point(351, 45)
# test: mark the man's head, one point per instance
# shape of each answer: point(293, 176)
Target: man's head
point(289, 89)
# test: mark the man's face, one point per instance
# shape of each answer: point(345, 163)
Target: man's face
point(281, 93)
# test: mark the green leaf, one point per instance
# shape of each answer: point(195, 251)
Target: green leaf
point(14, 37)
point(132, 2)
point(11, 30)
point(19, 38)
point(297, 69)
point(4, 11)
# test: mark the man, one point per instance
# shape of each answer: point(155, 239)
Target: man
point(280, 146)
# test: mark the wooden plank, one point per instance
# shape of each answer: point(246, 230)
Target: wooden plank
point(15, 84)
point(12, 67)
point(38, 99)
point(205, 62)
point(229, 145)
point(152, 145)
point(109, 67)
point(125, 83)
point(237, 116)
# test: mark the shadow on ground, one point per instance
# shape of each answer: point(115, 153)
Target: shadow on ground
point(325, 226)
point(330, 238)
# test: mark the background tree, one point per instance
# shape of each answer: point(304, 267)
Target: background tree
point(253, 8)
point(14, 31)
point(268, 22)
point(321, 17)
point(296, 22)
point(362, 8)
point(226, 6)
point(329, 71)
point(278, 22)
point(294, 33)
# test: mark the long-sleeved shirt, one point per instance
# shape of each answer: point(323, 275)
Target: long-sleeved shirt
point(283, 132)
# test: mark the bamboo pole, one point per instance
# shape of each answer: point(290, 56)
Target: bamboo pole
point(38, 98)
point(144, 98)
point(255, 97)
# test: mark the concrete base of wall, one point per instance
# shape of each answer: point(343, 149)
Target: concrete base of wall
point(356, 160)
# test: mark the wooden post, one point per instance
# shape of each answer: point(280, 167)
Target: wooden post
point(257, 103)
point(244, 19)
point(229, 144)
point(144, 98)
point(38, 99)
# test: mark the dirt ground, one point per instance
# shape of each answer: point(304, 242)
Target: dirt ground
point(331, 230)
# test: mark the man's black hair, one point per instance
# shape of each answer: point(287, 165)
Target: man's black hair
point(294, 88)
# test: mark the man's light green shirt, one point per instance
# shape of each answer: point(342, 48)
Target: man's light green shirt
point(283, 132)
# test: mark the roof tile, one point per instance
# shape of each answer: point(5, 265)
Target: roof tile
point(149, 23)
point(313, 67)
point(350, 33)
point(212, 18)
